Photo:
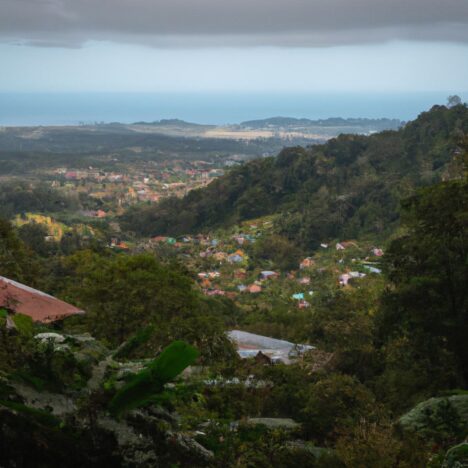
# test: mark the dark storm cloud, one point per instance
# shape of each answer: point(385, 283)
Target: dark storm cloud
point(231, 22)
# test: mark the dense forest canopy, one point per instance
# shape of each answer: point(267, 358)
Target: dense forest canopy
point(347, 187)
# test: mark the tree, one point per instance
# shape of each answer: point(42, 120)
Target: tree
point(123, 294)
point(334, 404)
point(425, 312)
point(34, 236)
point(17, 261)
point(283, 253)
point(453, 101)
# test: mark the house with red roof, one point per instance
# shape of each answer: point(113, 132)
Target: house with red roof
point(41, 307)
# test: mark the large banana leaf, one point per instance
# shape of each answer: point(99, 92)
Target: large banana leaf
point(151, 380)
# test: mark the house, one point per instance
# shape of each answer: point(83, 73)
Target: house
point(307, 263)
point(21, 299)
point(235, 258)
point(373, 269)
point(249, 345)
point(339, 246)
point(324, 246)
point(158, 239)
point(305, 280)
point(242, 287)
point(377, 252)
point(266, 274)
point(348, 244)
point(303, 304)
point(239, 239)
point(254, 288)
point(240, 273)
point(220, 256)
point(215, 292)
point(205, 283)
point(356, 274)
point(298, 296)
point(344, 278)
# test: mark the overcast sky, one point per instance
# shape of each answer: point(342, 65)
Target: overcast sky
point(244, 45)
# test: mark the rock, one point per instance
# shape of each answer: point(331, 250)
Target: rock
point(274, 423)
point(309, 447)
point(54, 337)
point(86, 349)
point(134, 447)
point(191, 447)
point(56, 403)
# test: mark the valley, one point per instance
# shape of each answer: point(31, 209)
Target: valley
point(219, 306)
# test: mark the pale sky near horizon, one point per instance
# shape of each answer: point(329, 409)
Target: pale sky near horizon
point(227, 45)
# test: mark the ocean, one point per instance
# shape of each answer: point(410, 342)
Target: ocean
point(23, 109)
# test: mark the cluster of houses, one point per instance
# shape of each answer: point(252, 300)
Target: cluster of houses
point(147, 181)
point(231, 272)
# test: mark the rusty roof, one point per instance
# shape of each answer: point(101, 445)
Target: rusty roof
point(41, 307)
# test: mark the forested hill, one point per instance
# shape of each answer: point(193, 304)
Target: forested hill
point(348, 187)
point(279, 122)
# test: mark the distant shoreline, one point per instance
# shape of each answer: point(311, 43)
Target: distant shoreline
point(71, 109)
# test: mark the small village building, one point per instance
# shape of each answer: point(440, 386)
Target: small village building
point(240, 273)
point(240, 239)
point(41, 307)
point(235, 258)
point(250, 345)
point(307, 263)
point(206, 283)
point(220, 256)
point(349, 244)
point(215, 292)
point(344, 278)
point(267, 274)
point(298, 296)
point(159, 239)
point(377, 252)
point(255, 288)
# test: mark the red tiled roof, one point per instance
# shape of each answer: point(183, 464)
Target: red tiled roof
point(36, 304)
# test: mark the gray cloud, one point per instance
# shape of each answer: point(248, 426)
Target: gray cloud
point(198, 23)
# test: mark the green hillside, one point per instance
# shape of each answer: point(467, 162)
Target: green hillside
point(348, 187)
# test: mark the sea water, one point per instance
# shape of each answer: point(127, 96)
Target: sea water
point(209, 108)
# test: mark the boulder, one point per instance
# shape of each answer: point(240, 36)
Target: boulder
point(56, 338)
